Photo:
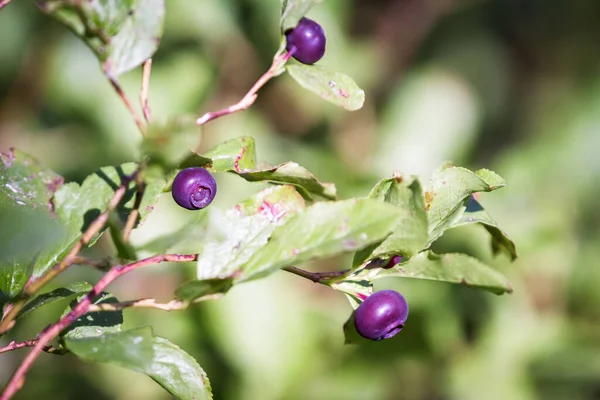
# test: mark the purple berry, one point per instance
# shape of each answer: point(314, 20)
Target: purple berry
point(393, 262)
point(308, 40)
point(194, 188)
point(382, 315)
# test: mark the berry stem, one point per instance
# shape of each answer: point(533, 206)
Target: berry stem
point(29, 343)
point(145, 89)
point(34, 285)
point(3, 3)
point(249, 98)
point(115, 84)
point(18, 378)
point(316, 277)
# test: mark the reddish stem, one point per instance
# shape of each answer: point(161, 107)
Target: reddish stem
point(3, 3)
point(115, 84)
point(28, 343)
point(250, 97)
point(316, 277)
point(18, 378)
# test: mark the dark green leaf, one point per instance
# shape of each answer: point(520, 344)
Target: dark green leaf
point(451, 268)
point(245, 229)
point(449, 191)
point(95, 323)
point(139, 350)
point(62, 293)
point(331, 85)
point(169, 143)
point(122, 33)
point(293, 10)
point(351, 336)
point(195, 289)
point(410, 236)
point(322, 230)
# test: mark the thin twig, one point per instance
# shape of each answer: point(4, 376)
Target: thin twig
point(145, 89)
point(3, 3)
point(18, 378)
point(34, 285)
point(103, 265)
point(135, 212)
point(115, 84)
point(29, 343)
point(316, 277)
point(249, 98)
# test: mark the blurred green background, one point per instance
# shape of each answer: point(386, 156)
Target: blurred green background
point(509, 85)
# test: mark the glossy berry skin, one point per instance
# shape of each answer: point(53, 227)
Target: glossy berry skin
point(308, 40)
point(382, 315)
point(194, 188)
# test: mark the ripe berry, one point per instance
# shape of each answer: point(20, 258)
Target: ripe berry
point(308, 40)
point(382, 315)
point(393, 262)
point(194, 188)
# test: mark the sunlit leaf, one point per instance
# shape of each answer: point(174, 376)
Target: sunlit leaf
point(332, 86)
point(322, 230)
point(196, 289)
point(122, 34)
point(451, 268)
point(293, 10)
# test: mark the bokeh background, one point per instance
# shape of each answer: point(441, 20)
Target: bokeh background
point(509, 85)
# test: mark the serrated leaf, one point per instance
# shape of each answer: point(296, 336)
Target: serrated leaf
point(195, 289)
point(451, 268)
point(245, 229)
point(448, 193)
point(322, 230)
point(474, 213)
point(139, 350)
point(333, 86)
point(237, 155)
point(95, 323)
point(170, 143)
point(62, 293)
point(410, 236)
point(122, 34)
point(293, 10)
point(292, 173)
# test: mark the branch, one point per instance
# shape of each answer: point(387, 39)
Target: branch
point(30, 343)
point(142, 303)
point(316, 277)
point(18, 378)
point(135, 212)
point(248, 99)
point(145, 89)
point(3, 3)
point(115, 84)
point(34, 285)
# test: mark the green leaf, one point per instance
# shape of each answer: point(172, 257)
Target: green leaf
point(332, 86)
point(351, 335)
point(78, 205)
point(448, 193)
point(139, 350)
point(294, 174)
point(237, 155)
point(24, 181)
point(169, 143)
point(122, 33)
point(356, 288)
point(93, 324)
point(293, 10)
point(13, 277)
point(474, 213)
point(245, 229)
point(410, 236)
point(62, 293)
point(323, 230)
point(195, 289)
point(451, 268)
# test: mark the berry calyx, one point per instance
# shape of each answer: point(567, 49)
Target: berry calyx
point(307, 40)
point(382, 315)
point(194, 188)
